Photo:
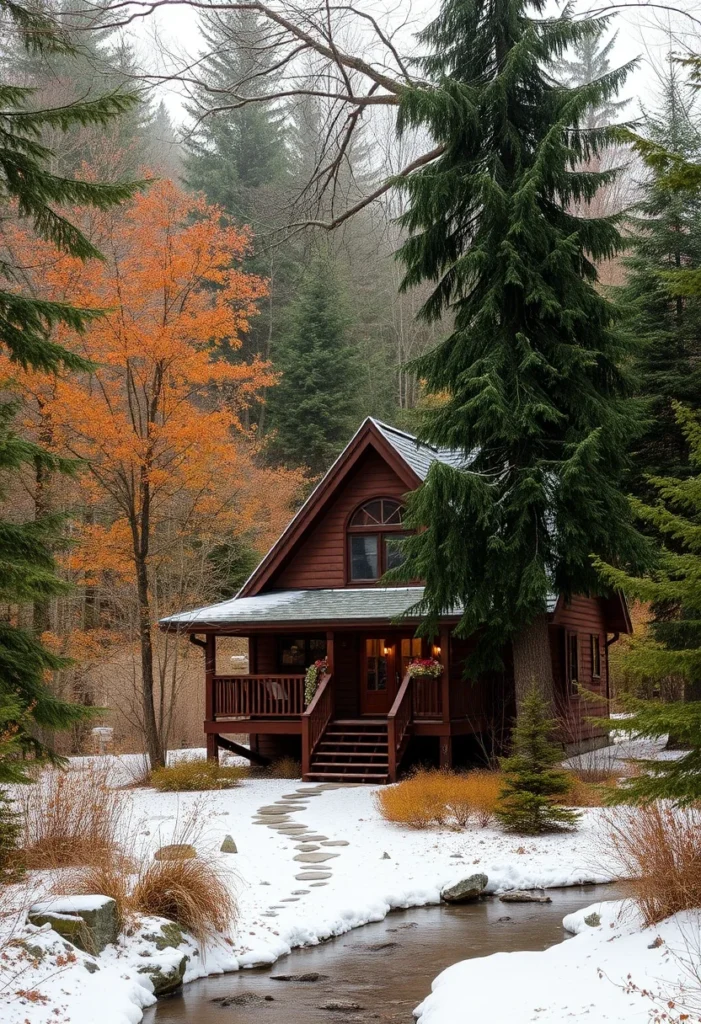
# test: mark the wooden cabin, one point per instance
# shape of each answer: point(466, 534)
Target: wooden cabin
point(316, 595)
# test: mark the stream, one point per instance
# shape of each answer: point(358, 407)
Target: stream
point(380, 971)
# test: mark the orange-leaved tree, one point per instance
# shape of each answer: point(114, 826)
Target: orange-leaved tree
point(158, 421)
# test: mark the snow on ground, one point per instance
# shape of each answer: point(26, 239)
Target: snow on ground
point(376, 867)
point(597, 976)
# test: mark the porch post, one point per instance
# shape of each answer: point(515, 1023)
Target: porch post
point(252, 655)
point(329, 651)
point(445, 753)
point(445, 678)
point(209, 670)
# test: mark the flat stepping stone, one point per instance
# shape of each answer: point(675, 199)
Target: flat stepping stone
point(272, 819)
point(308, 792)
point(269, 913)
point(291, 830)
point(316, 885)
point(315, 858)
point(307, 847)
point(315, 839)
point(272, 809)
point(335, 842)
point(300, 892)
point(312, 876)
point(293, 808)
point(294, 797)
point(290, 899)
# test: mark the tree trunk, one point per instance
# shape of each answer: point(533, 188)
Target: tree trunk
point(533, 661)
point(152, 735)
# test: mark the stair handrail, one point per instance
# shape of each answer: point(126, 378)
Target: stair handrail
point(398, 722)
point(315, 719)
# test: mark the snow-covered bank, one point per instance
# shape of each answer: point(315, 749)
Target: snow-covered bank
point(382, 867)
point(598, 975)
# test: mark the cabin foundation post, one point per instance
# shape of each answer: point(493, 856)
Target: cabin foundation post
point(210, 659)
point(445, 751)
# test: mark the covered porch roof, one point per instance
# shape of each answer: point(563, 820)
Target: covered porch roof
point(352, 605)
point(307, 608)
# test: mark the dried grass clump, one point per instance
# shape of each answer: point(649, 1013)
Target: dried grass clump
point(193, 893)
point(71, 817)
point(193, 774)
point(439, 798)
point(658, 848)
point(285, 768)
point(590, 793)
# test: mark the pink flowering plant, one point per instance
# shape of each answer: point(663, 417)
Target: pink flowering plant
point(312, 677)
point(425, 667)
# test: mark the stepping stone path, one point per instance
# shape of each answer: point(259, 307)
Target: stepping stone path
point(315, 858)
point(278, 816)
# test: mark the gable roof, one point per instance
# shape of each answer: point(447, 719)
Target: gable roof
point(415, 453)
point(409, 458)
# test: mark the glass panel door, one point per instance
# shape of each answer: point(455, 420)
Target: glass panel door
point(378, 676)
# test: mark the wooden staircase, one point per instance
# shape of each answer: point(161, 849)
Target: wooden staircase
point(352, 750)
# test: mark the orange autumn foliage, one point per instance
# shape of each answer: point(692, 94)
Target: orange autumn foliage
point(158, 422)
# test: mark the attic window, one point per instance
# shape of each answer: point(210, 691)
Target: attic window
point(379, 512)
point(372, 533)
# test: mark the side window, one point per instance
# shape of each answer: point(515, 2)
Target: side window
point(572, 655)
point(595, 656)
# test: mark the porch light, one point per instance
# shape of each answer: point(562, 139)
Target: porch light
point(386, 650)
point(436, 651)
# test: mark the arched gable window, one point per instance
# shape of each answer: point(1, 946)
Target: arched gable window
point(373, 531)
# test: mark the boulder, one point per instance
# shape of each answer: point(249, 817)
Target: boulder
point(166, 973)
point(89, 922)
point(228, 846)
point(176, 851)
point(169, 937)
point(467, 889)
point(523, 896)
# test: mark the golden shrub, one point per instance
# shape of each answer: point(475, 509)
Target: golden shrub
point(428, 799)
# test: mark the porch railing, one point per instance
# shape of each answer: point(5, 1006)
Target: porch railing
point(254, 696)
point(428, 698)
point(398, 726)
point(315, 719)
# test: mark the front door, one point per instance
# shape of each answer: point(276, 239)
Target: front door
point(378, 676)
point(385, 662)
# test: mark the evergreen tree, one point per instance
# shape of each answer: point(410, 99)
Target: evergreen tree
point(314, 409)
point(238, 157)
point(533, 392)
point(671, 645)
point(27, 570)
point(232, 154)
point(532, 779)
point(588, 60)
point(91, 64)
point(667, 240)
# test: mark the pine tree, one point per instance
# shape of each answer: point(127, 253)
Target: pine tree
point(672, 642)
point(231, 154)
point(532, 779)
point(240, 160)
point(30, 190)
point(667, 240)
point(588, 60)
point(314, 409)
point(533, 391)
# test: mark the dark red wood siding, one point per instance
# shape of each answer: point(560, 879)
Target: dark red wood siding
point(584, 616)
point(319, 561)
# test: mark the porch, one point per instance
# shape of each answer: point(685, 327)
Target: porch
point(364, 712)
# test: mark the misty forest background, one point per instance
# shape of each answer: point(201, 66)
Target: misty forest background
point(307, 334)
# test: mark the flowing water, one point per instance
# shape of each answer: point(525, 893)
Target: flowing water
point(381, 971)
